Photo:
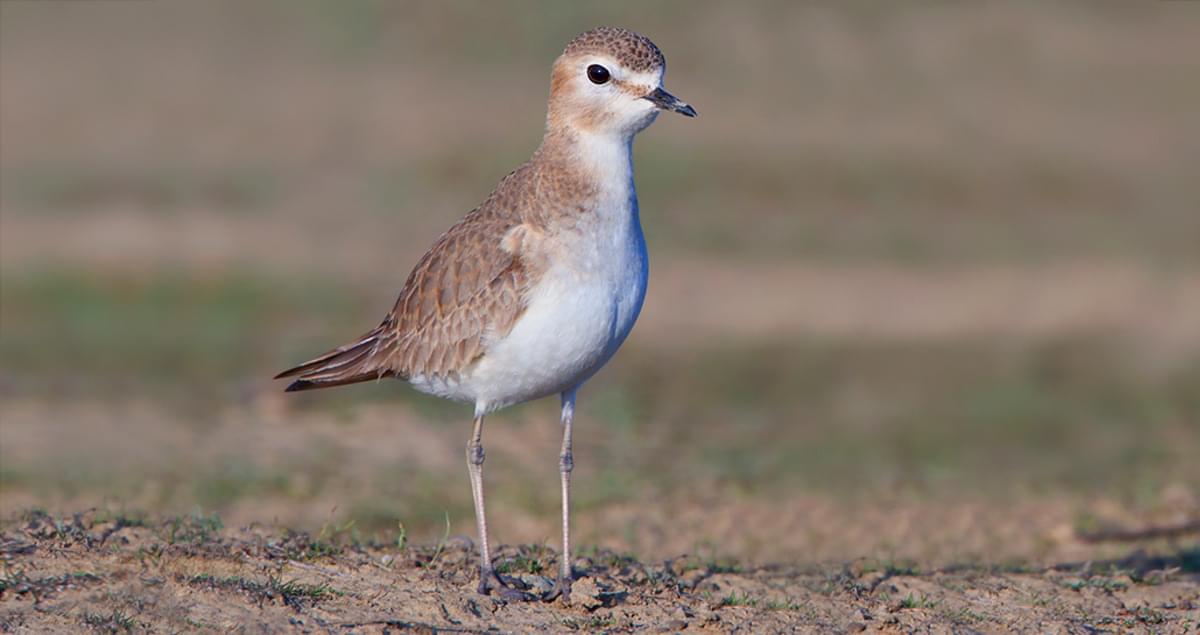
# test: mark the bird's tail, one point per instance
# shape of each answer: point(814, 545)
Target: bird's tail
point(364, 360)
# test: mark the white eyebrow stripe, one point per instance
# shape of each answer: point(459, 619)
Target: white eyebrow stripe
point(644, 78)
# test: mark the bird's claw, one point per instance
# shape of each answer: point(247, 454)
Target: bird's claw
point(562, 588)
point(507, 588)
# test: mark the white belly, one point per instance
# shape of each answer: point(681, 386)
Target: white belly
point(578, 316)
point(584, 305)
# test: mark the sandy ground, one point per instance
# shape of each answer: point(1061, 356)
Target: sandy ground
point(709, 557)
point(392, 464)
point(190, 574)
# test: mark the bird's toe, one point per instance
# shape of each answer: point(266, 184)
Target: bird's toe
point(506, 594)
point(506, 588)
point(562, 588)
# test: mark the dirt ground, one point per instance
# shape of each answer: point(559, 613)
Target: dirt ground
point(191, 574)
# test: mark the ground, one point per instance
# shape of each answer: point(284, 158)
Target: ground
point(192, 574)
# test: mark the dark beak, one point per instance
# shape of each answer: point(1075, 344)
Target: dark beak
point(667, 101)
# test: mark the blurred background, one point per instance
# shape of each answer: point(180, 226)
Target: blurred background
point(925, 279)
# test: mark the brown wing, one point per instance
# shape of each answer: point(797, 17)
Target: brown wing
point(467, 290)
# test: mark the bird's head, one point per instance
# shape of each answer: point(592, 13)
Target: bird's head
point(609, 81)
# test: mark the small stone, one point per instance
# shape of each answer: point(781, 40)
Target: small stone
point(674, 626)
point(586, 593)
point(538, 584)
point(856, 627)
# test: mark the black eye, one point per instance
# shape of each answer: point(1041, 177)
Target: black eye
point(598, 74)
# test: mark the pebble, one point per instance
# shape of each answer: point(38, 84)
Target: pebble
point(586, 593)
point(538, 584)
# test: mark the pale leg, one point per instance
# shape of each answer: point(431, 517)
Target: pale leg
point(475, 468)
point(488, 579)
point(566, 463)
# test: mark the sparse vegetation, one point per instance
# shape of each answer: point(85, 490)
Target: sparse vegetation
point(733, 599)
point(195, 528)
point(523, 563)
point(590, 624)
point(115, 622)
point(1108, 584)
point(290, 592)
point(783, 605)
point(226, 573)
point(911, 601)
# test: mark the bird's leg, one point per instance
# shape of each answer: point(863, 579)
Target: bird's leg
point(475, 468)
point(488, 579)
point(566, 463)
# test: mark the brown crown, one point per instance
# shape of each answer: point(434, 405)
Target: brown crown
point(633, 51)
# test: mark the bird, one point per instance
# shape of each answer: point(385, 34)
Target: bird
point(533, 291)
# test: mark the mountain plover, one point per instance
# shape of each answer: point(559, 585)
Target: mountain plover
point(534, 290)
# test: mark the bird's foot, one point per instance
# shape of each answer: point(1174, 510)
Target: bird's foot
point(507, 588)
point(562, 588)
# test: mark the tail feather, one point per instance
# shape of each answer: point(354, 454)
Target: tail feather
point(365, 360)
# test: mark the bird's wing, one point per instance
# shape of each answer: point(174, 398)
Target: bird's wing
point(467, 291)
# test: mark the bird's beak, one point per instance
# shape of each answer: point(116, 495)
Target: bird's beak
point(667, 101)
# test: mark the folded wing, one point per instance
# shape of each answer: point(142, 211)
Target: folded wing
point(466, 292)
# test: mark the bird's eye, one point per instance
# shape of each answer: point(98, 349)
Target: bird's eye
point(598, 74)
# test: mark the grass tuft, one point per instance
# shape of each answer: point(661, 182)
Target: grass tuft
point(194, 529)
point(911, 601)
point(116, 622)
point(291, 592)
point(733, 599)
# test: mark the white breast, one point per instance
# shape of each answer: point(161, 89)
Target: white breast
point(581, 309)
point(578, 315)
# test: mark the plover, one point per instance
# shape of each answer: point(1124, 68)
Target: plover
point(534, 290)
